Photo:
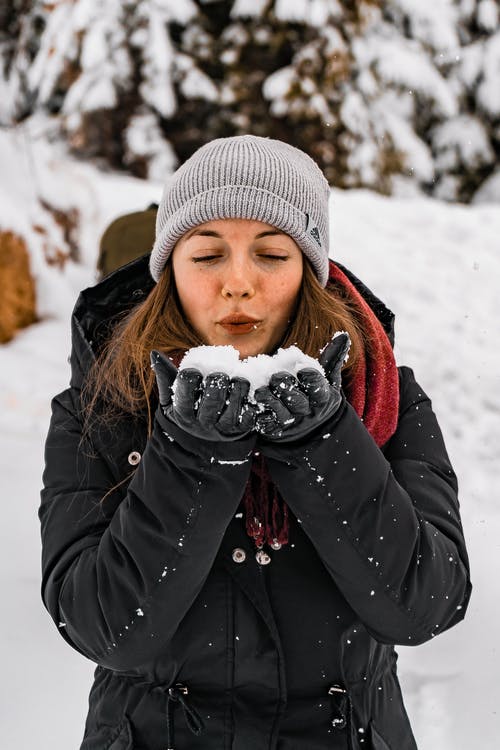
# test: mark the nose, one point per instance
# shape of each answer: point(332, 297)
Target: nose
point(238, 283)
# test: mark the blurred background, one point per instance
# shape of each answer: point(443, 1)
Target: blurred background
point(399, 103)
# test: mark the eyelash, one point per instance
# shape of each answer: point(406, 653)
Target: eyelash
point(209, 258)
point(205, 259)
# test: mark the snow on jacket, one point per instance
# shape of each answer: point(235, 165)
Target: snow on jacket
point(159, 586)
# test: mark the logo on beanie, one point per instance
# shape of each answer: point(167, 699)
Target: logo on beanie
point(313, 230)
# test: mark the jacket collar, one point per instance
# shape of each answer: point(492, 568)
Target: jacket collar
point(382, 312)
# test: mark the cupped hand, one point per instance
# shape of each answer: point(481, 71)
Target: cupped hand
point(292, 407)
point(213, 408)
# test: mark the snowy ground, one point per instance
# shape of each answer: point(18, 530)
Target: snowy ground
point(438, 267)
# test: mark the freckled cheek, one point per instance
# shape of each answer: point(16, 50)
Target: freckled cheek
point(282, 298)
point(197, 299)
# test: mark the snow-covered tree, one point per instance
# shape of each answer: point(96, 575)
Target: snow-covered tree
point(467, 149)
point(102, 68)
point(445, 69)
point(284, 70)
point(20, 29)
point(391, 95)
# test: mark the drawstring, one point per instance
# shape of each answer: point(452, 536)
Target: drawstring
point(265, 520)
point(176, 694)
point(341, 705)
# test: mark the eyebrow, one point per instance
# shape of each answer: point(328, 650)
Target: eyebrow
point(211, 233)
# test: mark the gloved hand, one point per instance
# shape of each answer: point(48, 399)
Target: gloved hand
point(295, 406)
point(214, 409)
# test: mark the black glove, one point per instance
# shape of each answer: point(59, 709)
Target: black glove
point(214, 409)
point(294, 406)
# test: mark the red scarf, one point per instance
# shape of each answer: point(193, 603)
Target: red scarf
point(374, 392)
point(374, 395)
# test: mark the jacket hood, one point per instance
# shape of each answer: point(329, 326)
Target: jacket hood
point(98, 307)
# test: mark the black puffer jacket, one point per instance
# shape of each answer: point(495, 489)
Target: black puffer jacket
point(159, 585)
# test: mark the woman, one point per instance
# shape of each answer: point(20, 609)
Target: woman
point(240, 571)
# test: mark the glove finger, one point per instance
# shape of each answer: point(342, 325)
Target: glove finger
point(286, 387)
point(213, 398)
point(236, 417)
point(165, 372)
point(266, 422)
point(333, 356)
point(315, 385)
point(247, 418)
point(269, 401)
point(246, 412)
point(187, 391)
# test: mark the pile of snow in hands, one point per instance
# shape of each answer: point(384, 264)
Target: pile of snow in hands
point(257, 370)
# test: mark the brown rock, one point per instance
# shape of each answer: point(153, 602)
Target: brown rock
point(17, 287)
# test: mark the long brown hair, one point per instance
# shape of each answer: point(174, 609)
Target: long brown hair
point(121, 379)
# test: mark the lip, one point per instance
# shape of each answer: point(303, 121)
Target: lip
point(239, 323)
point(236, 318)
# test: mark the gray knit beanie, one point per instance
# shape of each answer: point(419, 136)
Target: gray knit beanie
point(247, 177)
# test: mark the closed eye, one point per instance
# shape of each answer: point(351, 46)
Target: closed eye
point(208, 258)
point(205, 258)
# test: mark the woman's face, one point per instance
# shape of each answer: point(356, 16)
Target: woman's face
point(238, 282)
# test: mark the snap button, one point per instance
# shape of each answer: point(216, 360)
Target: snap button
point(262, 557)
point(239, 555)
point(275, 544)
point(134, 457)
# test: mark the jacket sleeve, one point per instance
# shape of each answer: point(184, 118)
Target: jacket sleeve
point(385, 523)
point(118, 585)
